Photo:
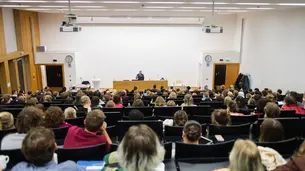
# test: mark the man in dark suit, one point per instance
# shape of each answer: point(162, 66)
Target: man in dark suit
point(140, 76)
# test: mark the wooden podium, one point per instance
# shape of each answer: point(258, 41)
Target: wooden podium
point(142, 85)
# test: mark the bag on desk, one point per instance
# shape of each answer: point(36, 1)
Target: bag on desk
point(111, 163)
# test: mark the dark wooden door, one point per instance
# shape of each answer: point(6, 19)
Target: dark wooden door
point(55, 77)
point(220, 75)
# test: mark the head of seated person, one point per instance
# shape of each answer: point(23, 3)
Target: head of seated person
point(160, 101)
point(206, 96)
point(70, 113)
point(290, 101)
point(252, 102)
point(171, 103)
point(95, 101)
point(54, 118)
point(117, 101)
point(241, 102)
point(265, 93)
point(48, 98)
point(85, 102)
point(94, 121)
point(165, 93)
point(32, 101)
point(38, 148)
point(6, 99)
point(137, 96)
point(6, 121)
point(272, 110)
point(227, 100)
point(40, 107)
point(180, 118)
point(69, 100)
point(140, 140)
point(138, 103)
point(172, 95)
point(191, 132)
point(219, 98)
point(232, 107)
point(135, 115)
point(21, 99)
point(28, 118)
point(271, 130)
point(188, 100)
point(245, 156)
point(271, 97)
point(221, 117)
point(110, 104)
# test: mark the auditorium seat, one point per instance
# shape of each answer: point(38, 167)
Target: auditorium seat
point(197, 110)
point(166, 111)
point(230, 132)
point(13, 111)
point(123, 127)
point(145, 118)
point(112, 118)
point(147, 111)
point(168, 146)
point(236, 120)
point(288, 114)
point(96, 152)
point(174, 133)
point(79, 121)
point(16, 156)
point(203, 153)
point(108, 109)
point(286, 147)
point(17, 105)
point(214, 105)
point(63, 106)
point(201, 119)
point(60, 134)
point(113, 133)
point(5, 132)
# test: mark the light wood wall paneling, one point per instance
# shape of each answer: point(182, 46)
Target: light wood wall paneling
point(2, 36)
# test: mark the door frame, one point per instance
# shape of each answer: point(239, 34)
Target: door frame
point(63, 75)
point(222, 63)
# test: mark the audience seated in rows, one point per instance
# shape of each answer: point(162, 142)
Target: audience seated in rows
point(94, 125)
point(95, 102)
point(232, 109)
point(6, 121)
point(135, 114)
point(221, 117)
point(160, 101)
point(191, 132)
point(55, 118)
point(206, 97)
point(86, 103)
point(241, 103)
point(138, 103)
point(188, 100)
point(171, 103)
point(272, 110)
point(38, 147)
point(28, 118)
point(110, 104)
point(139, 150)
point(271, 130)
point(117, 101)
point(172, 95)
point(70, 113)
point(6, 99)
point(180, 118)
point(291, 104)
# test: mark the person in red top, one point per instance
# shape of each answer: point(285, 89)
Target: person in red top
point(94, 124)
point(291, 104)
point(118, 101)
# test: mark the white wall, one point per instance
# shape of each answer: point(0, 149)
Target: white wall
point(48, 57)
point(116, 52)
point(273, 49)
point(9, 30)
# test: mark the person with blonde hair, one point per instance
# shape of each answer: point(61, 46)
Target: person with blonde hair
point(6, 121)
point(188, 100)
point(70, 113)
point(172, 95)
point(227, 100)
point(138, 103)
point(171, 103)
point(110, 104)
point(47, 98)
point(221, 117)
point(272, 110)
point(160, 101)
point(85, 102)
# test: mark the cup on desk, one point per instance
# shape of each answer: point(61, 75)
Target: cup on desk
point(3, 161)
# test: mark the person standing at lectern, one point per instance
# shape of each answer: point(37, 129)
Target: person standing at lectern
point(140, 76)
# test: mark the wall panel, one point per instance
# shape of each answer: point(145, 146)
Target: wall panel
point(2, 36)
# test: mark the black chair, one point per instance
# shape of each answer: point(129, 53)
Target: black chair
point(174, 133)
point(12, 106)
point(201, 119)
point(197, 110)
point(177, 101)
point(96, 152)
point(123, 127)
point(147, 111)
point(288, 114)
point(109, 109)
point(153, 118)
point(166, 111)
point(63, 106)
point(5, 132)
point(77, 121)
point(214, 104)
point(230, 132)
point(203, 153)
point(60, 134)
point(113, 133)
point(236, 120)
point(251, 107)
point(112, 118)
point(114, 147)
point(286, 147)
point(16, 156)
point(13, 111)
point(168, 146)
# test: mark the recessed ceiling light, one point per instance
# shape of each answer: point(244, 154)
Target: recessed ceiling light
point(291, 4)
point(230, 8)
point(88, 6)
point(156, 7)
point(193, 7)
point(209, 3)
point(72, 2)
point(252, 3)
point(120, 2)
point(96, 9)
point(182, 10)
point(164, 2)
point(23, 1)
point(259, 8)
point(15, 6)
point(46, 6)
point(154, 10)
point(124, 10)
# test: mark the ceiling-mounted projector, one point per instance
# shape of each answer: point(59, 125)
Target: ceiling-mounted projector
point(213, 29)
point(70, 25)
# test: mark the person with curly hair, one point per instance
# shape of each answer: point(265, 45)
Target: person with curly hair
point(55, 118)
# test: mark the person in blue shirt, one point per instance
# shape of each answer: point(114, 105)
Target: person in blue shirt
point(38, 148)
point(140, 76)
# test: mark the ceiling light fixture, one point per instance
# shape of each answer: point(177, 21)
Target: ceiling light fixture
point(88, 6)
point(124, 10)
point(46, 6)
point(120, 2)
point(157, 7)
point(75, 2)
point(23, 1)
point(252, 3)
point(259, 8)
point(192, 7)
point(182, 10)
point(209, 3)
point(165, 2)
point(229, 8)
point(291, 4)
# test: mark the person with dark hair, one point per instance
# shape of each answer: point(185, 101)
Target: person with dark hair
point(28, 118)
point(55, 118)
point(265, 92)
point(118, 101)
point(271, 130)
point(297, 98)
point(261, 103)
point(64, 89)
point(140, 76)
point(95, 102)
point(138, 103)
point(188, 90)
point(279, 92)
point(180, 118)
point(94, 133)
point(232, 109)
point(291, 104)
point(135, 115)
point(241, 103)
point(191, 132)
point(154, 89)
point(221, 117)
point(38, 148)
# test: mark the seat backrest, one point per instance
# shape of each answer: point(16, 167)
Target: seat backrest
point(147, 111)
point(286, 147)
point(13, 111)
point(12, 106)
point(174, 133)
point(288, 113)
point(113, 133)
point(214, 104)
point(201, 119)
point(96, 152)
point(236, 120)
point(166, 111)
point(198, 110)
point(5, 132)
point(16, 156)
point(110, 109)
point(191, 152)
point(123, 127)
point(112, 118)
point(77, 121)
point(63, 106)
point(229, 130)
point(168, 146)
point(60, 134)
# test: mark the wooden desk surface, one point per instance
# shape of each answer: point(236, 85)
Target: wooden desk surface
point(142, 85)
